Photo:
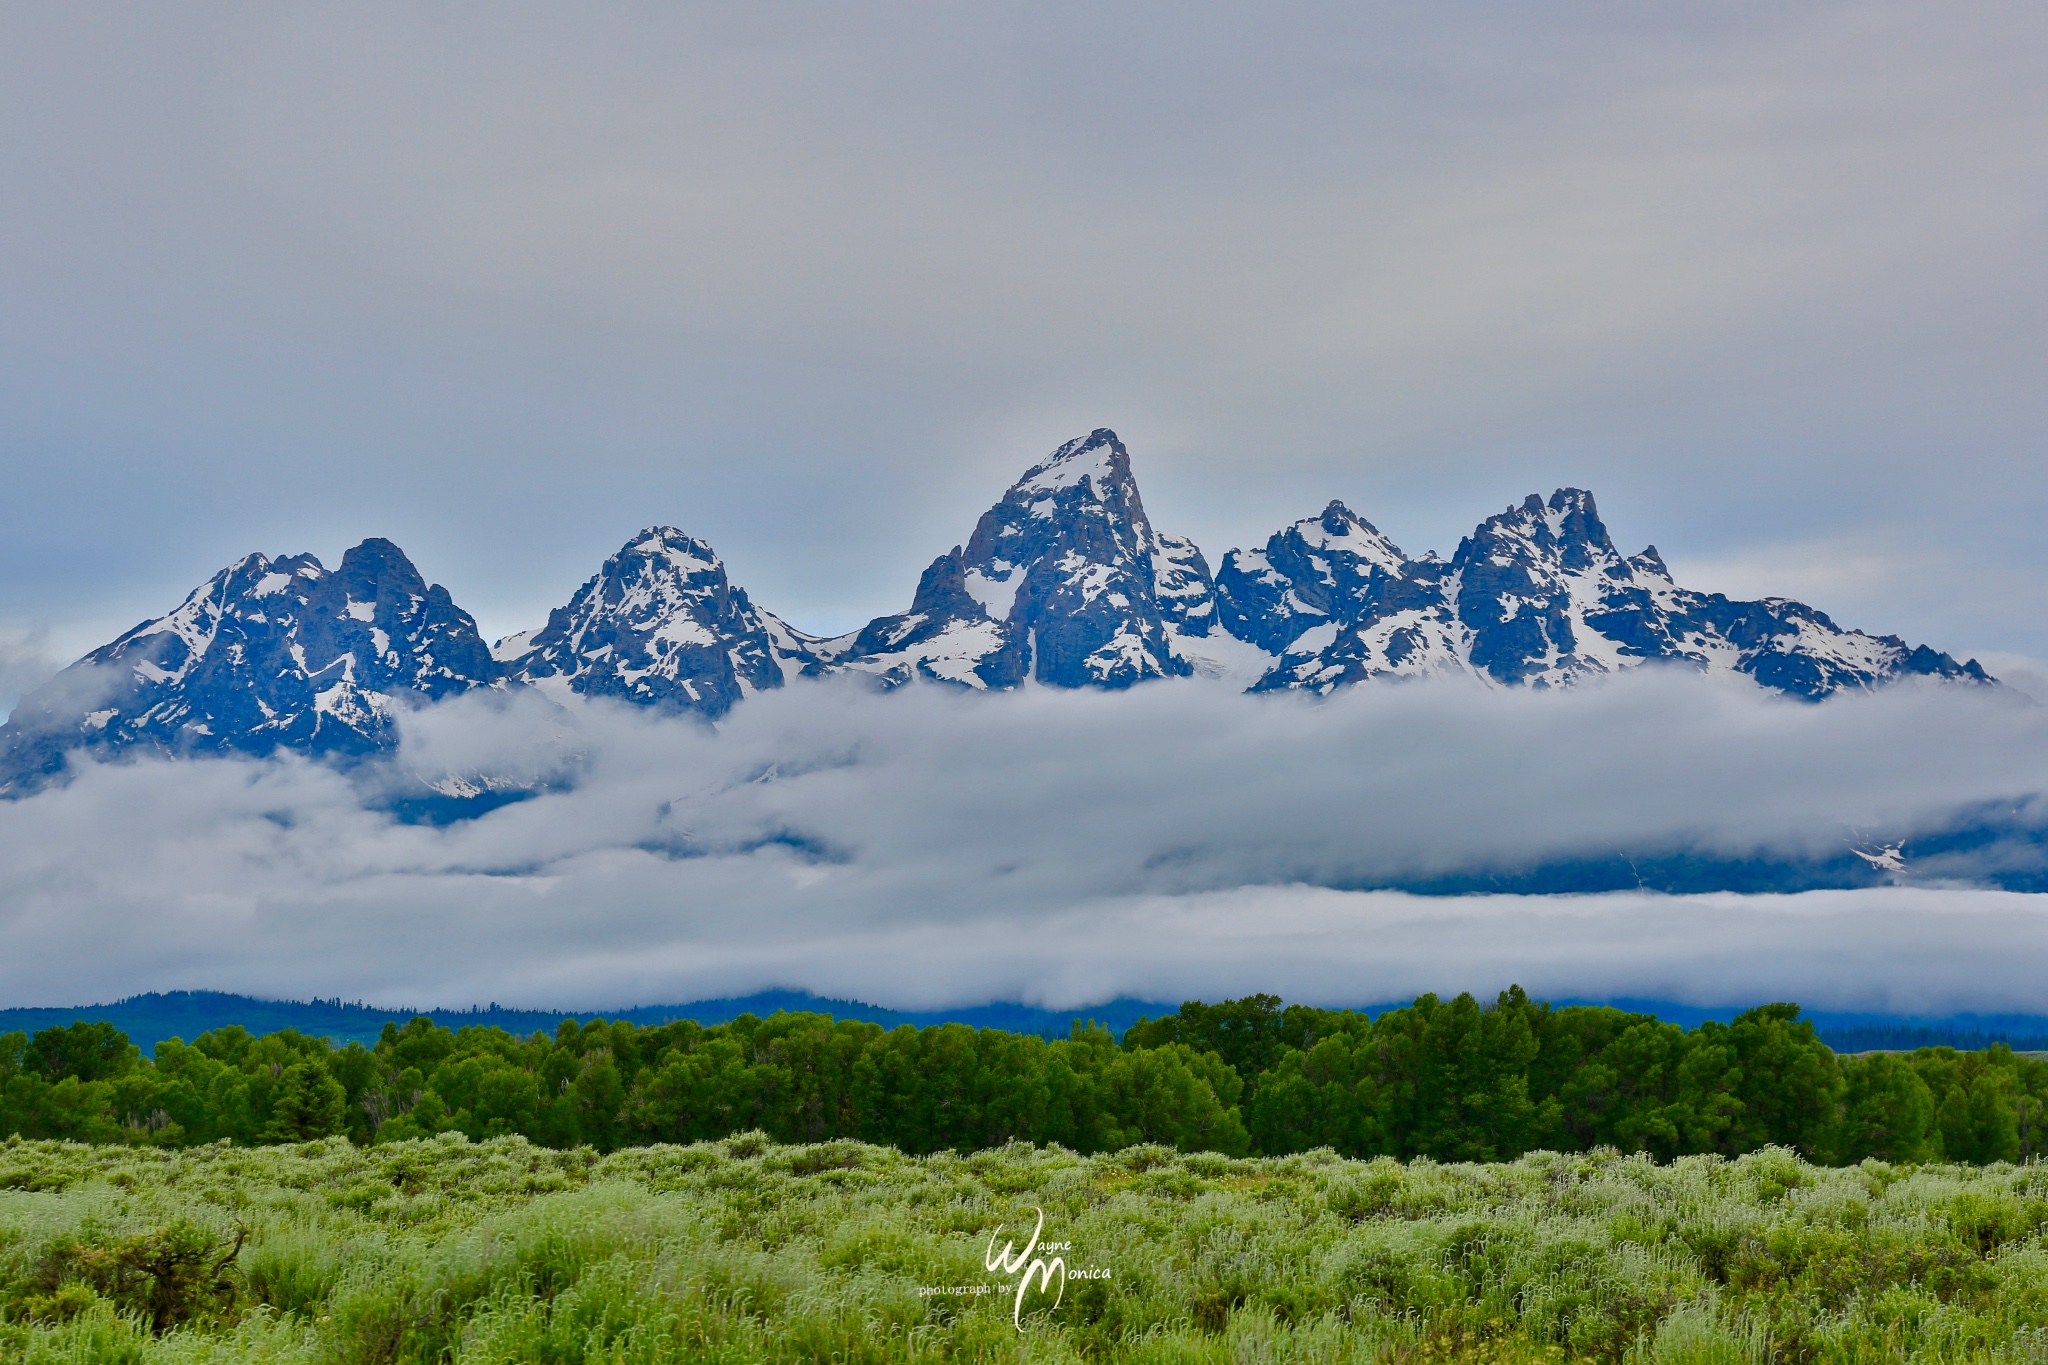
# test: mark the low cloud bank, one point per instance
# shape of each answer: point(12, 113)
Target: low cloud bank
point(928, 848)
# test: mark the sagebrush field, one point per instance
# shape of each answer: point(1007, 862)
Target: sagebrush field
point(745, 1251)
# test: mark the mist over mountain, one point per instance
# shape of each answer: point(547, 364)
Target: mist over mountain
point(1081, 765)
point(1064, 583)
point(938, 846)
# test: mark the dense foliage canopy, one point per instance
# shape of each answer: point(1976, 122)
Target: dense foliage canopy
point(1446, 1079)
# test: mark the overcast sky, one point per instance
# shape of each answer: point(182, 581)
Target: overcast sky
point(507, 282)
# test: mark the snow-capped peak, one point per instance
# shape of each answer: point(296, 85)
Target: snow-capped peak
point(1058, 584)
point(658, 624)
point(267, 654)
point(1063, 582)
point(1339, 528)
point(514, 647)
point(1098, 456)
point(683, 554)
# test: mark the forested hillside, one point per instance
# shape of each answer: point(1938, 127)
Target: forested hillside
point(1447, 1079)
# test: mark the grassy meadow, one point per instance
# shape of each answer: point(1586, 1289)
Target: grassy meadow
point(743, 1250)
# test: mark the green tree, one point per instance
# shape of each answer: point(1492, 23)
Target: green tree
point(1319, 1098)
point(1978, 1118)
point(307, 1103)
point(1887, 1112)
point(1170, 1095)
point(89, 1051)
point(598, 1095)
point(1789, 1084)
point(1453, 1078)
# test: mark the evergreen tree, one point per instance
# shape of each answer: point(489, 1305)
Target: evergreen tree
point(307, 1103)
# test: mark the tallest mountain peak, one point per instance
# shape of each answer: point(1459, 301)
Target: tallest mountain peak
point(1098, 455)
point(1058, 584)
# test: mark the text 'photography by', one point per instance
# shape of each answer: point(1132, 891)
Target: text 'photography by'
point(672, 799)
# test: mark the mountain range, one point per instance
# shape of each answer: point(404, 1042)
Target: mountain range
point(1064, 583)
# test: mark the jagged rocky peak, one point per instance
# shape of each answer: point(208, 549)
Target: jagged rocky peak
point(1546, 598)
point(1317, 571)
point(1340, 530)
point(1537, 595)
point(266, 654)
point(1063, 582)
point(390, 631)
point(1336, 602)
point(1526, 578)
point(1649, 563)
point(660, 625)
point(1540, 540)
point(1058, 584)
point(1184, 587)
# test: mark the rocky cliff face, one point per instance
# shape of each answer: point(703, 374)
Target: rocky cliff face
point(1547, 598)
point(1335, 602)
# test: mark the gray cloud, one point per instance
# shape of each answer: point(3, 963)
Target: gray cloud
point(507, 282)
point(25, 664)
point(928, 848)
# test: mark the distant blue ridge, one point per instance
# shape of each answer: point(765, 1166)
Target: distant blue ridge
point(149, 1019)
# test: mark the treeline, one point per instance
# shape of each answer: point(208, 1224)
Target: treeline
point(1448, 1079)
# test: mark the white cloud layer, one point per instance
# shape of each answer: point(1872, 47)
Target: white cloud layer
point(927, 848)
